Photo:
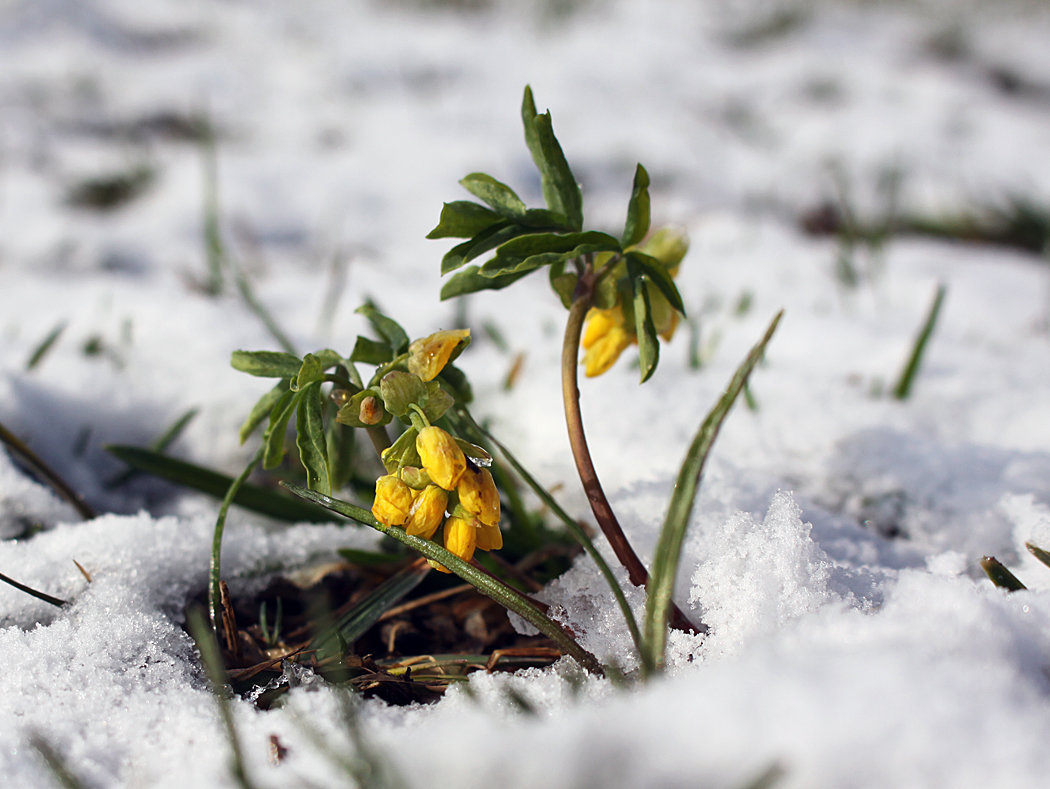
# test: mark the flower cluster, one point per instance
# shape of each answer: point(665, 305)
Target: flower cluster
point(447, 488)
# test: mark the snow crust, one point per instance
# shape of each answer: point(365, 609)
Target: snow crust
point(833, 553)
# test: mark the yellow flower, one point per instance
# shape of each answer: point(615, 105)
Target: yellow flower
point(604, 339)
point(478, 495)
point(461, 538)
point(489, 538)
point(442, 458)
point(427, 357)
point(427, 512)
point(393, 501)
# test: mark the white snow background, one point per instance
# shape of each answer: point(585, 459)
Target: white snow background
point(854, 641)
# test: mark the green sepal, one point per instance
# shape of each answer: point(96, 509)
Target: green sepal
point(387, 328)
point(262, 408)
point(350, 412)
point(611, 286)
point(435, 401)
point(266, 364)
point(495, 194)
point(311, 439)
point(560, 190)
point(273, 437)
point(399, 389)
point(638, 213)
point(370, 351)
point(402, 452)
point(463, 219)
point(470, 281)
point(659, 275)
point(645, 330)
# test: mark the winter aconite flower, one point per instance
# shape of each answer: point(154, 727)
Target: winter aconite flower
point(427, 357)
point(442, 458)
point(393, 501)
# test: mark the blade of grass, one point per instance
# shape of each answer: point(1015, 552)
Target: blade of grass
point(211, 657)
point(907, 378)
point(251, 497)
point(1000, 576)
point(570, 523)
point(49, 475)
point(58, 602)
point(55, 763)
point(1038, 553)
point(45, 345)
point(165, 440)
point(490, 587)
point(215, 568)
point(669, 545)
point(352, 625)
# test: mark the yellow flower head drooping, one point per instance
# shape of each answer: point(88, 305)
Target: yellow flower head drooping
point(461, 538)
point(604, 339)
point(427, 512)
point(442, 458)
point(427, 357)
point(393, 501)
point(489, 538)
point(478, 495)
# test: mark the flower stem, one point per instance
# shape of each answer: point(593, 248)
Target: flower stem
point(581, 453)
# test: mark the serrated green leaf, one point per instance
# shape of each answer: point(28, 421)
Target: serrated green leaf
point(659, 276)
point(469, 280)
point(489, 238)
point(648, 342)
point(399, 389)
point(664, 567)
point(266, 364)
point(273, 437)
point(387, 328)
point(463, 219)
point(262, 408)
point(638, 215)
point(310, 438)
point(560, 190)
point(495, 194)
point(371, 351)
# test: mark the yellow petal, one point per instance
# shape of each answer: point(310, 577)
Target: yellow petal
point(478, 495)
point(489, 538)
point(604, 353)
point(427, 357)
point(393, 501)
point(442, 458)
point(599, 324)
point(461, 537)
point(427, 512)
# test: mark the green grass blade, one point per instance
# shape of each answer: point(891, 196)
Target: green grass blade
point(907, 379)
point(1038, 553)
point(668, 552)
point(45, 345)
point(484, 583)
point(1000, 576)
point(56, 763)
point(352, 625)
point(166, 439)
point(251, 497)
point(55, 601)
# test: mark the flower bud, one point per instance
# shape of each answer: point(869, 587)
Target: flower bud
point(371, 412)
point(427, 357)
point(393, 501)
point(442, 458)
point(461, 537)
point(478, 495)
point(427, 512)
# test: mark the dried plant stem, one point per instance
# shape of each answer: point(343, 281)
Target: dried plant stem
point(581, 453)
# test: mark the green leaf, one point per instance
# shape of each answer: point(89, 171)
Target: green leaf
point(487, 239)
point(213, 483)
point(501, 267)
point(463, 219)
point(659, 276)
point(668, 551)
point(387, 328)
point(638, 216)
point(469, 280)
point(341, 444)
point(311, 371)
point(262, 408)
point(1000, 576)
point(399, 389)
point(907, 378)
point(1038, 553)
point(455, 382)
point(560, 190)
point(266, 364)
point(575, 243)
point(274, 436)
point(310, 438)
point(544, 219)
point(648, 342)
point(563, 282)
point(435, 401)
point(371, 351)
point(495, 194)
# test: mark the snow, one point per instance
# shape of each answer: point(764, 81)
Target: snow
point(854, 641)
